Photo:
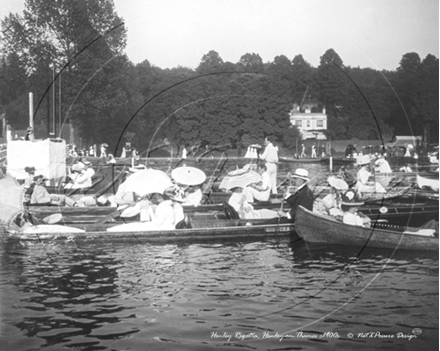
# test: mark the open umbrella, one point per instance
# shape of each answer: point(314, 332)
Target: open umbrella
point(147, 181)
point(11, 199)
point(337, 183)
point(188, 175)
point(238, 179)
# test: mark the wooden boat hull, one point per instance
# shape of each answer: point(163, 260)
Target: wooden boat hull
point(338, 161)
point(316, 228)
point(235, 232)
point(299, 160)
point(431, 182)
point(396, 214)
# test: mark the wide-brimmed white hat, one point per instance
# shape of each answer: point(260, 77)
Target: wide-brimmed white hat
point(337, 183)
point(350, 198)
point(301, 173)
point(172, 193)
point(363, 160)
point(188, 175)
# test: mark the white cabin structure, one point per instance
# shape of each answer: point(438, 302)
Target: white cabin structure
point(310, 124)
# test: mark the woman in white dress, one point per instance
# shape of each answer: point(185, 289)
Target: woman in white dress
point(167, 214)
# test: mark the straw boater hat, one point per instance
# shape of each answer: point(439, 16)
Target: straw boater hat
point(363, 160)
point(350, 198)
point(301, 174)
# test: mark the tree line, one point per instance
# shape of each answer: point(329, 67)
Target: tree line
point(108, 99)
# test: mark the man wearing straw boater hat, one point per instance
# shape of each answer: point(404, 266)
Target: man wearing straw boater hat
point(364, 185)
point(303, 195)
point(41, 196)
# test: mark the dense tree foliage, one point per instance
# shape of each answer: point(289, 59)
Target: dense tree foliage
point(85, 40)
point(108, 99)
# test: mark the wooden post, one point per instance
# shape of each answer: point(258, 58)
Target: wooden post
point(31, 115)
point(331, 156)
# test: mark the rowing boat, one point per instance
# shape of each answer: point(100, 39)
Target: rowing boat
point(338, 161)
point(299, 160)
point(317, 228)
point(218, 230)
point(392, 213)
point(431, 182)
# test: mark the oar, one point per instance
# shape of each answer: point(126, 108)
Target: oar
point(114, 214)
point(212, 179)
point(51, 219)
point(282, 206)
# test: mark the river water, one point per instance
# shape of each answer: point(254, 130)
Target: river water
point(227, 295)
point(218, 295)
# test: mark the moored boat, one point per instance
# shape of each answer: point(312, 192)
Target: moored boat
point(428, 182)
point(316, 228)
point(220, 230)
point(386, 211)
point(299, 160)
point(338, 160)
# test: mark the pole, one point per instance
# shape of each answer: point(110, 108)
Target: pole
point(31, 115)
point(31, 110)
point(59, 106)
point(331, 156)
point(53, 100)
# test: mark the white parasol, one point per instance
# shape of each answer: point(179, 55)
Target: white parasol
point(239, 179)
point(337, 183)
point(147, 181)
point(188, 175)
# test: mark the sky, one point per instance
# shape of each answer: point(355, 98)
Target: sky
point(365, 33)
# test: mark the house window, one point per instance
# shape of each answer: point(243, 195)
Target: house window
point(308, 124)
point(320, 123)
point(298, 123)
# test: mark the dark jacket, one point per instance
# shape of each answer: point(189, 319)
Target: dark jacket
point(303, 197)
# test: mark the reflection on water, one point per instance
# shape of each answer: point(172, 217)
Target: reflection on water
point(213, 296)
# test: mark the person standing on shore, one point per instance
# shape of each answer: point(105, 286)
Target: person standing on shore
point(303, 151)
point(313, 151)
point(270, 156)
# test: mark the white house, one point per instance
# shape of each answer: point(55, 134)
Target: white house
point(311, 124)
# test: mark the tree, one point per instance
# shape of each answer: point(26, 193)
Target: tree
point(416, 85)
point(331, 82)
point(302, 79)
point(251, 63)
point(425, 98)
point(13, 91)
point(83, 38)
point(211, 62)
